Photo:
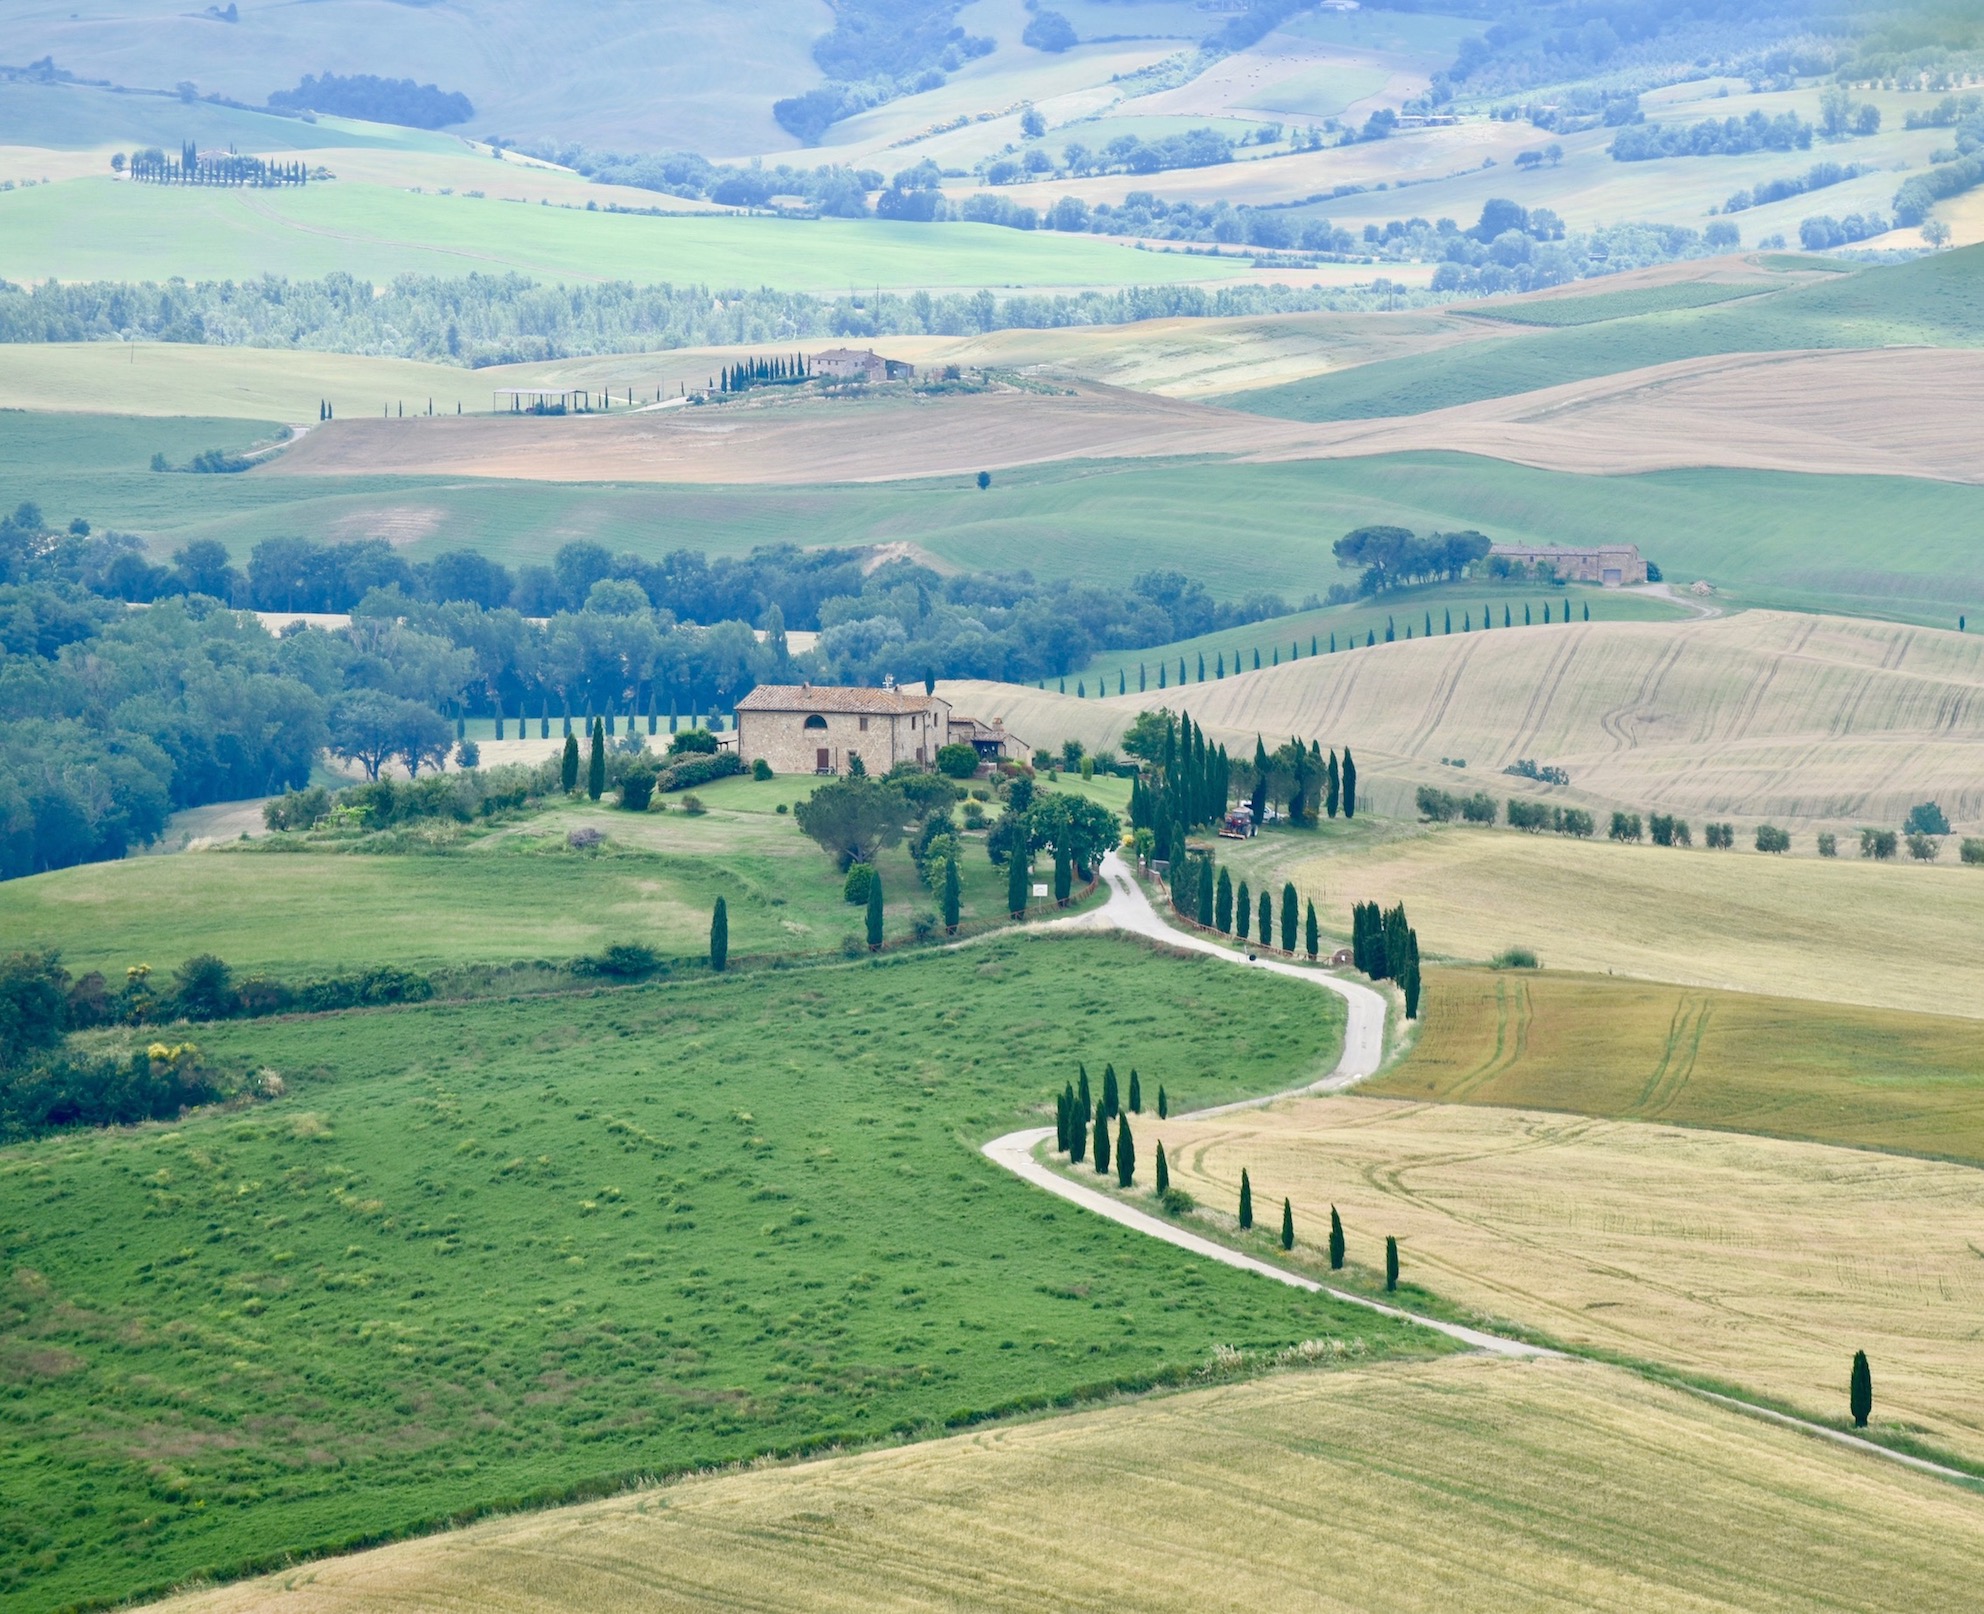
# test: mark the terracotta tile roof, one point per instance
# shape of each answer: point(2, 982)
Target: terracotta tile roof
point(831, 698)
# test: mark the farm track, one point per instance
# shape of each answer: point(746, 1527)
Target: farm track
point(1129, 909)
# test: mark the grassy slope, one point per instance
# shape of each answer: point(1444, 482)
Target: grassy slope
point(1752, 1261)
point(1535, 1486)
point(1598, 307)
point(1807, 542)
point(519, 894)
point(73, 117)
point(1938, 300)
point(490, 1252)
point(89, 229)
point(1645, 1051)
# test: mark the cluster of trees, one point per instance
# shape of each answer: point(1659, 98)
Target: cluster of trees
point(376, 100)
point(1443, 807)
point(1823, 231)
point(1395, 557)
point(1951, 173)
point(1386, 948)
point(1522, 259)
point(1716, 137)
point(835, 190)
point(1820, 176)
point(778, 371)
point(152, 166)
point(1185, 782)
point(1080, 1116)
point(878, 50)
point(1538, 816)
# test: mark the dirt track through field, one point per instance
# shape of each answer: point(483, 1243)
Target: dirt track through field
point(1895, 412)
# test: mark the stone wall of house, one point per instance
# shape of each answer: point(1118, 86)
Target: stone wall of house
point(784, 740)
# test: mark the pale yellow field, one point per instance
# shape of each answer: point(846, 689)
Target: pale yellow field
point(1762, 715)
point(1466, 1483)
point(1756, 1262)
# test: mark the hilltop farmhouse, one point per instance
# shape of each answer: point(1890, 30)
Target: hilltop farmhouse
point(1609, 565)
point(818, 728)
point(859, 364)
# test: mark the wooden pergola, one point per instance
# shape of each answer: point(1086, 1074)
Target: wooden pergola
point(546, 400)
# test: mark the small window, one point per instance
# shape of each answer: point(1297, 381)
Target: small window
point(816, 722)
point(864, 725)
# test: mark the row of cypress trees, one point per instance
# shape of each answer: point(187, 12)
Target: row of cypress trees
point(1184, 788)
point(1316, 784)
point(1338, 1248)
point(1386, 948)
point(1082, 1118)
point(1209, 897)
point(568, 764)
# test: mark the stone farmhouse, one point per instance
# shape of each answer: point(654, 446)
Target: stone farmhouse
point(1609, 565)
point(860, 364)
point(817, 728)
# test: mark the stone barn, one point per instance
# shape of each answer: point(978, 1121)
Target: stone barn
point(816, 728)
point(1608, 565)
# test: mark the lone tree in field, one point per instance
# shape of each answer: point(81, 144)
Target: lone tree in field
point(1287, 1225)
point(1101, 1140)
point(720, 936)
point(1136, 1093)
point(596, 763)
point(1126, 1153)
point(1246, 1201)
point(950, 896)
point(1291, 917)
point(568, 766)
point(1336, 1241)
point(1163, 1104)
point(875, 911)
point(1860, 1394)
point(1163, 1174)
point(1391, 1262)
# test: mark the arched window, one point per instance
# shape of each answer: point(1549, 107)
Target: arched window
point(815, 722)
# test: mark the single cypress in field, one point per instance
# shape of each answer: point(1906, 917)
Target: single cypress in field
point(1163, 1174)
point(1267, 920)
point(596, 763)
point(1163, 1103)
point(1246, 1201)
point(1291, 917)
point(1860, 1394)
point(1136, 1093)
point(1017, 878)
point(1243, 911)
point(1101, 1141)
point(1311, 936)
point(1391, 1262)
point(1222, 904)
point(1126, 1153)
point(1336, 1241)
point(720, 936)
point(568, 766)
point(1287, 1225)
point(950, 896)
point(1110, 1106)
point(1349, 785)
point(875, 911)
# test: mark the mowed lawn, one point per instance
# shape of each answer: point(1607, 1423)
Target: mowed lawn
point(100, 229)
point(1536, 1486)
point(1645, 1051)
point(1754, 1262)
point(485, 1254)
point(521, 893)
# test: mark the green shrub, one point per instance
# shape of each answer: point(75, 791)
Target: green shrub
point(761, 770)
point(637, 785)
point(623, 961)
point(957, 761)
point(693, 806)
point(1828, 844)
point(692, 742)
point(854, 889)
point(1973, 849)
point(1176, 1201)
point(700, 770)
point(1513, 958)
point(1478, 808)
point(1437, 806)
point(1924, 848)
point(297, 809)
point(1878, 843)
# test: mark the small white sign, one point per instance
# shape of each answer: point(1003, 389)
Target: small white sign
point(1040, 891)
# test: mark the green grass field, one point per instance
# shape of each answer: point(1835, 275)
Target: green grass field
point(520, 894)
point(1599, 307)
point(488, 1253)
point(1643, 1051)
point(100, 229)
point(1938, 300)
point(75, 117)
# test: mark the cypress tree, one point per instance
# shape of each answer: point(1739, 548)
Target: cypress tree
point(1410, 982)
point(1287, 1225)
point(1860, 1393)
point(951, 896)
point(1312, 643)
point(1077, 1133)
point(1525, 613)
point(1111, 1103)
point(1222, 904)
point(1163, 1103)
point(1258, 802)
point(1182, 678)
point(1336, 1241)
point(1061, 1122)
point(596, 763)
point(1311, 937)
point(1016, 884)
point(1243, 911)
point(1101, 1141)
point(1202, 666)
point(1391, 1262)
point(1349, 785)
point(1064, 875)
point(1163, 1174)
point(1450, 622)
point(1082, 1094)
point(1246, 1201)
point(1291, 917)
point(875, 911)
point(568, 766)
point(1266, 930)
point(1429, 624)
point(1332, 785)
point(1126, 1153)
point(1507, 620)
point(1136, 1093)
point(1257, 658)
point(1219, 666)
point(1205, 890)
point(720, 936)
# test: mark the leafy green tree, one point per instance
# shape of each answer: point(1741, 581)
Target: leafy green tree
point(950, 897)
point(1101, 1141)
point(1860, 1392)
point(1926, 818)
point(853, 818)
point(1136, 1093)
point(875, 911)
point(1163, 1173)
point(1246, 1201)
point(720, 936)
point(1336, 1241)
point(596, 762)
point(1311, 935)
point(1222, 903)
point(1291, 917)
point(1391, 1262)
point(1287, 1225)
point(1126, 1153)
point(202, 990)
point(1064, 876)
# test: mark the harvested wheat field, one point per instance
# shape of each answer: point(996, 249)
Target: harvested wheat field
point(1539, 1485)
point(1762, 715)
point(1755, 1261)
point(1743, 1062)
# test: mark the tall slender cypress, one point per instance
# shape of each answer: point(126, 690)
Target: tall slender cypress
point(1205, 891)
point(1101, 1140)
point(951, 896)
point(1391, 1262)
point(1246, 1200)
point(1061, 1122)
point(1333, 785)
point(1349, 785)
point(1291, 917)
point(568, 766)
point(596, 763)
point(875, 910)
point(1336, 1241)
point(1163, 1174)
point(1243, 911)
point(1409, 982)
point(1266, 928)
point(1287, 1225)
point(1017, 879)
point(1082, 1093)
point(1111, 1104)
point(1222, 904)
point(720, 936)
point(1126, 1153)
point(1136, 1093)
point(1311, 937)
point(1077, 1134)
point(1860, 1392)
point(1163, 1103)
